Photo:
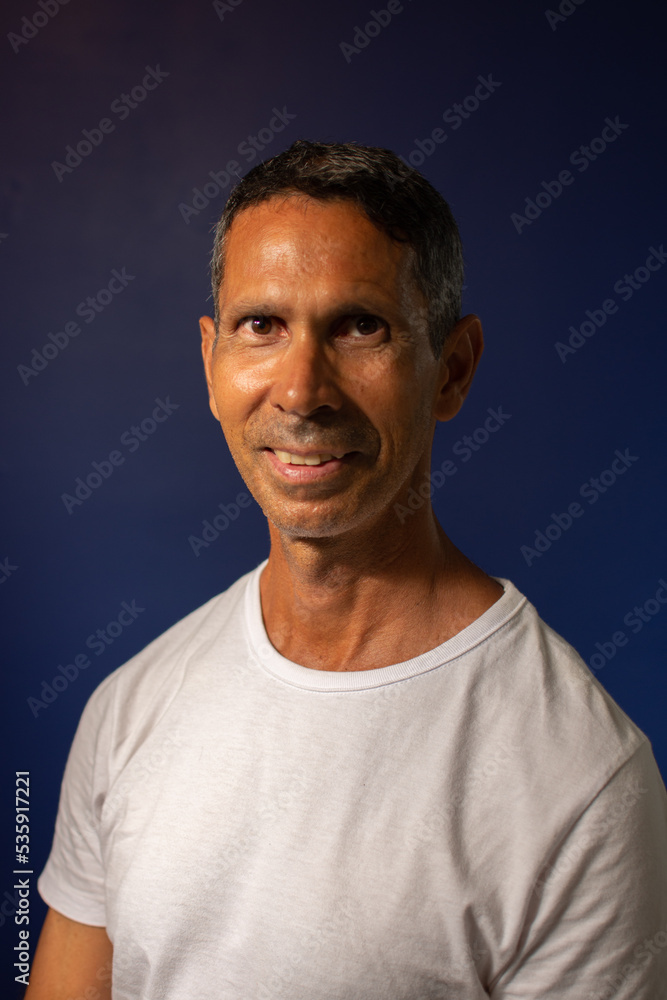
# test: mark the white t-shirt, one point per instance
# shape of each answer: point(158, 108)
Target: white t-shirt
point(482, 820)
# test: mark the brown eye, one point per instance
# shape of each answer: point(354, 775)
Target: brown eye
point(260, 324)
point(367, 324)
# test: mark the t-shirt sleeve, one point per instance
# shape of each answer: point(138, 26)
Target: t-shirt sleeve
point(596, 923)
point(73, 879)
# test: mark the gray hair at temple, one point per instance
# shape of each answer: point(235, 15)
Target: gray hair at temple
point(394, 196)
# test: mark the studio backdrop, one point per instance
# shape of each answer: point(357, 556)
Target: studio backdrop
point(126, 126)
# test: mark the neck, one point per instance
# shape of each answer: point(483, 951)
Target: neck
point(358, 601)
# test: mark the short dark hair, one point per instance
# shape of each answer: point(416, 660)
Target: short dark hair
point(394, 196)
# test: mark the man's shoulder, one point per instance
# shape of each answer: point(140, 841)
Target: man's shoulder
point(556, 706)
point(191, 640)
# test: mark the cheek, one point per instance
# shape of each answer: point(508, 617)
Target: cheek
point(403, 400)
point(237, 388)
point(412, 424)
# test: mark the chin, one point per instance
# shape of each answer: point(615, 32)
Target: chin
point(323, 517)
point(301, 523)
point(300, 527)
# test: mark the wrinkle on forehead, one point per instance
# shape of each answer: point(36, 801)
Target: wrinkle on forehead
point(281, 233)
point(312, 238)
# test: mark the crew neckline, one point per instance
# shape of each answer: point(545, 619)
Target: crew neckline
point(270, 660)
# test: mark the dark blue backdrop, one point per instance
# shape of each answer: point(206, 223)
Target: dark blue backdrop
point(553, 164)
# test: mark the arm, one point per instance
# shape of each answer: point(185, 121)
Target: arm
point(73, 956)
point(72, 960)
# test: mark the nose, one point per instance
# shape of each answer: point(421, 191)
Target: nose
point(305, 377)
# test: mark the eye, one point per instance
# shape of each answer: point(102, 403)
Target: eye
point(258, 324)
point(366, 325)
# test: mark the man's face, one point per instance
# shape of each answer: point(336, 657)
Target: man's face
point(323, 357)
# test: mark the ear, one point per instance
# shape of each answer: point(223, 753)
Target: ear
point(207, 327)
point(460, 357)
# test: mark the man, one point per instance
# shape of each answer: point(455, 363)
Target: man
point(368, 769)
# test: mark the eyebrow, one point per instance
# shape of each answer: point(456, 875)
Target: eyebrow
point(250, 306)
point(351, 307)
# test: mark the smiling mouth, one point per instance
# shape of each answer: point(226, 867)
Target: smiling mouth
point(312, 458)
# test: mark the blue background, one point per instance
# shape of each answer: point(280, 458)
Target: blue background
point(119, 208)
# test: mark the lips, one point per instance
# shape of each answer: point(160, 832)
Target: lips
point(308, 467)
point(311, 458)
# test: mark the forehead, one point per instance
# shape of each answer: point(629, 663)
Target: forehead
point(304, 237)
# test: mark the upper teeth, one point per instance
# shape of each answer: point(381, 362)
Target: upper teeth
point(288, 458)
